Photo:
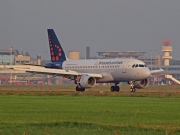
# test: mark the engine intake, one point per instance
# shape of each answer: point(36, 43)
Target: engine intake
point(141, 84)
point(87, 81)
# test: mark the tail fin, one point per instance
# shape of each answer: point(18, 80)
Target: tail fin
point(56, 51)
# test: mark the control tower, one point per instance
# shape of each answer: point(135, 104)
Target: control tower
point(166, 49)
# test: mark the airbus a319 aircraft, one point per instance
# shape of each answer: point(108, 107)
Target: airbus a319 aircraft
point(86, 73)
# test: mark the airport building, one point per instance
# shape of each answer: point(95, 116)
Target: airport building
point(6, 57)
point(118, 54)
point(21, 59)
point(154, 60)
point(74, 55)
point(88, 52)
point(13, 57)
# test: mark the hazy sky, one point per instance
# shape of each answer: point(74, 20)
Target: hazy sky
point(104, 25)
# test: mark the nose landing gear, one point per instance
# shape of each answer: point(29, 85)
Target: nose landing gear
point(132, 88)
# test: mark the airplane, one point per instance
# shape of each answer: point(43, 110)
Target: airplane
point(86, 73)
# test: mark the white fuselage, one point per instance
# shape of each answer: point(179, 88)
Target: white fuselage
point(113, 70)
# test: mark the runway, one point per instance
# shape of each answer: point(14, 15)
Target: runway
point(57, 90)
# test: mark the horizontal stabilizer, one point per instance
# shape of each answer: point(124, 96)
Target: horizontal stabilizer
point(156, 71)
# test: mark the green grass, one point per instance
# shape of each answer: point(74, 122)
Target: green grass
point(68, 114)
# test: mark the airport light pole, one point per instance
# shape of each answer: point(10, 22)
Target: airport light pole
point(155, 58)
point(10, 63)
point(151, 59)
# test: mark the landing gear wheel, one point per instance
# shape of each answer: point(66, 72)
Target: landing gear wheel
point(132, 89)
point(77, 88)
point(115, 88)
point(112, 88)
point(80, 89)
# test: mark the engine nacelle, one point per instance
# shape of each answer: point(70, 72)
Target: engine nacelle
point(141, 84)
point(87, 81)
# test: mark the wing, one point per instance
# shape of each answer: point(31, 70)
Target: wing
point(156, 71)
point(56, 72)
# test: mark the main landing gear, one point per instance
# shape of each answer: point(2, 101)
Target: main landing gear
point(115, 88)
point(78, 87)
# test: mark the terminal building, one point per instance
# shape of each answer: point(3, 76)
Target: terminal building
point(118, 54)
point(11, 58)
point(6, 57)
point(74, 55)
point(14, 58)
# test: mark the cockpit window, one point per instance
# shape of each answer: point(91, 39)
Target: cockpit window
point(138, 65)
point(141, 65)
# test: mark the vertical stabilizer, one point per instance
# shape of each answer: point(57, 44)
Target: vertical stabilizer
point(56, 51)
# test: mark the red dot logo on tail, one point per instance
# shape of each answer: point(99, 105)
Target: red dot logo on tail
point(56, 52)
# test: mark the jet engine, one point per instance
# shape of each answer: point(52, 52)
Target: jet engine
point(87, 81)
point(141, 84)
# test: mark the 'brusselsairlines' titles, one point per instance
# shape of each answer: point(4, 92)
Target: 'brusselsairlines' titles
point(108, 63)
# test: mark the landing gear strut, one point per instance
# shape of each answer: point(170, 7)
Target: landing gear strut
point(115, 88)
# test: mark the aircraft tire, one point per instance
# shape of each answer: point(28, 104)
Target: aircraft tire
point(115, 88)
point(112, 88)
point(80, 89)
point(77, 89)
point(132, 89)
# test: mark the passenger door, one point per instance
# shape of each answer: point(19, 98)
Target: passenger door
point(124, 66)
